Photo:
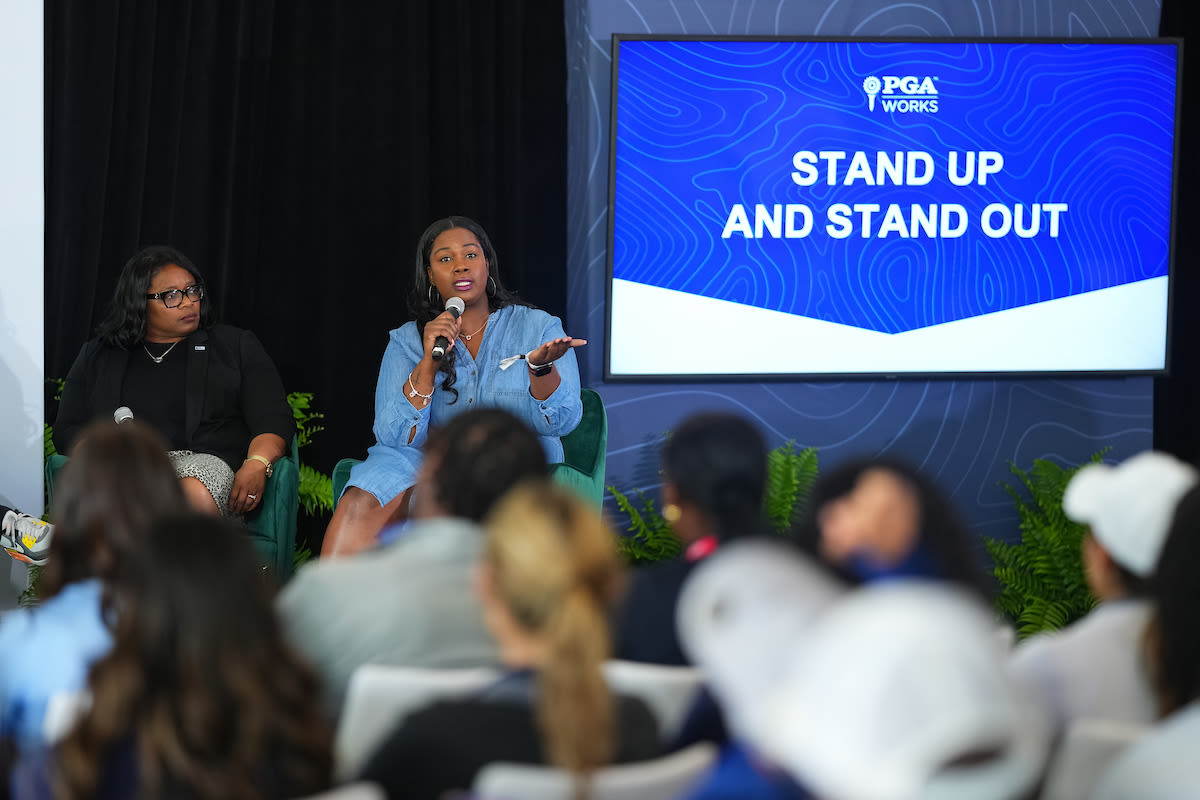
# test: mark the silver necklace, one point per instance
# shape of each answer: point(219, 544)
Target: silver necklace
point(159, 359)
point(468, 336)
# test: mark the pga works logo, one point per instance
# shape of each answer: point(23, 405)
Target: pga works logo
point(906, 94)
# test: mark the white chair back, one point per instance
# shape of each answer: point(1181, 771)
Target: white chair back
point(1006, 638)
point(351, 791)
point(668, 691)
point(379, 697)
point(658, 779)
point(1084, 754)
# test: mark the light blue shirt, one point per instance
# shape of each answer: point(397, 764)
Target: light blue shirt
point(392, 463)
point(47, 651)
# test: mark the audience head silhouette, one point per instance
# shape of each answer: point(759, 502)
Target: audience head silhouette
point(714, 477)
point(898, 692)
point(549, 571)
point(117, 481)
point(471, 463)
point(878, 517)
point(199, 697)
point(1128, 510)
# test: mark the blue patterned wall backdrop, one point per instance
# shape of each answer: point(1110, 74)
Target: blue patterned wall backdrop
point(964, 433)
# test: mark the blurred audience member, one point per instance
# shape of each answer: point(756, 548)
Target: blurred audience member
point(714, 477)
point(410, 603)
point(548, 573)
point(1162, 765)
point(876, 518)
point(117, 481)
point(899, 692)
point(200, 696)
point(1096, 667)
point(740, 616)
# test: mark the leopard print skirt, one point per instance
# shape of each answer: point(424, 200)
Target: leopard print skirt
point(210, 470)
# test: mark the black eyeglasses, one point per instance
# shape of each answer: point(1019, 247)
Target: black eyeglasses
point(173, 297)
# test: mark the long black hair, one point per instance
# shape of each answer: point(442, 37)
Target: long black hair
point(1174, 649)
point(125, 325)
point(718, 463)
point(942, 534)
point(425, 302)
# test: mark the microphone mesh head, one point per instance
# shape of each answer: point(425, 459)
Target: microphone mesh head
point(456, 303)
point(122, 414)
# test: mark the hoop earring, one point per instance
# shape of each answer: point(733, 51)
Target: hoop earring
point(430, 292)
point(491, 282)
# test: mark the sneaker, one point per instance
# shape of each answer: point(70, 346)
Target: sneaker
point(25, 538)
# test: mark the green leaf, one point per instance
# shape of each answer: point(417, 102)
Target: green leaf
point(648, 537)
point(302, 555)
point(1043, 586)
point(306, 418)
point(48, 435)
point(29, 597)
point(316, 491)
point(790, 479)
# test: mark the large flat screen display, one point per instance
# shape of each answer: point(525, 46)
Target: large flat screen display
point(879, 207)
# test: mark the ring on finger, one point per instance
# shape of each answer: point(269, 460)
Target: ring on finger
point(251, 497)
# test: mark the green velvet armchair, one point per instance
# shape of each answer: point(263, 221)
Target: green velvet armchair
point(272, 525)
point(585, 454)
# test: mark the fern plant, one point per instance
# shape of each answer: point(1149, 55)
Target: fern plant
point(1043, 586)
point(649, 536)
point(316, 488)
point(791, 474)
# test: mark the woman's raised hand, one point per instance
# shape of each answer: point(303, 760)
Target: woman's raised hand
point(553, 350)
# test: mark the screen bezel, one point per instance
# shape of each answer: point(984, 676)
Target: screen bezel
point(813, 377)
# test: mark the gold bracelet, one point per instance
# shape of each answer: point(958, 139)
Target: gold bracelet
point(264, 461)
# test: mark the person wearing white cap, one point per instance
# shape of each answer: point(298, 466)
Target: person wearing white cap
point(900, 692)
point(741, 614)
point(1095, 668)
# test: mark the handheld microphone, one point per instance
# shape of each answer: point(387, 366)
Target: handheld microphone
point(441, 344)
point(122, 414)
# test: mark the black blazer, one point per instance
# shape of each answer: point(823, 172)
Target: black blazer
point(233, 393)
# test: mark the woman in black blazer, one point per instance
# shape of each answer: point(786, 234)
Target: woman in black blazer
point(210, 390)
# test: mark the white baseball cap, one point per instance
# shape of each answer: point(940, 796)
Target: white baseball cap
point(741, 611)
point(896, 682)
point(1129, 507)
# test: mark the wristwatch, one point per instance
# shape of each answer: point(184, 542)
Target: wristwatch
point(264, 460)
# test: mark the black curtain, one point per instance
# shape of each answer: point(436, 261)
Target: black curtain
point(295, 151)
point(1177, 397)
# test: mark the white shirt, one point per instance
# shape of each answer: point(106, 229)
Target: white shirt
point(1162, 765)
point(1093, 668)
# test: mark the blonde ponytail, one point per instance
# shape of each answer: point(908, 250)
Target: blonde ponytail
point(555, 567)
